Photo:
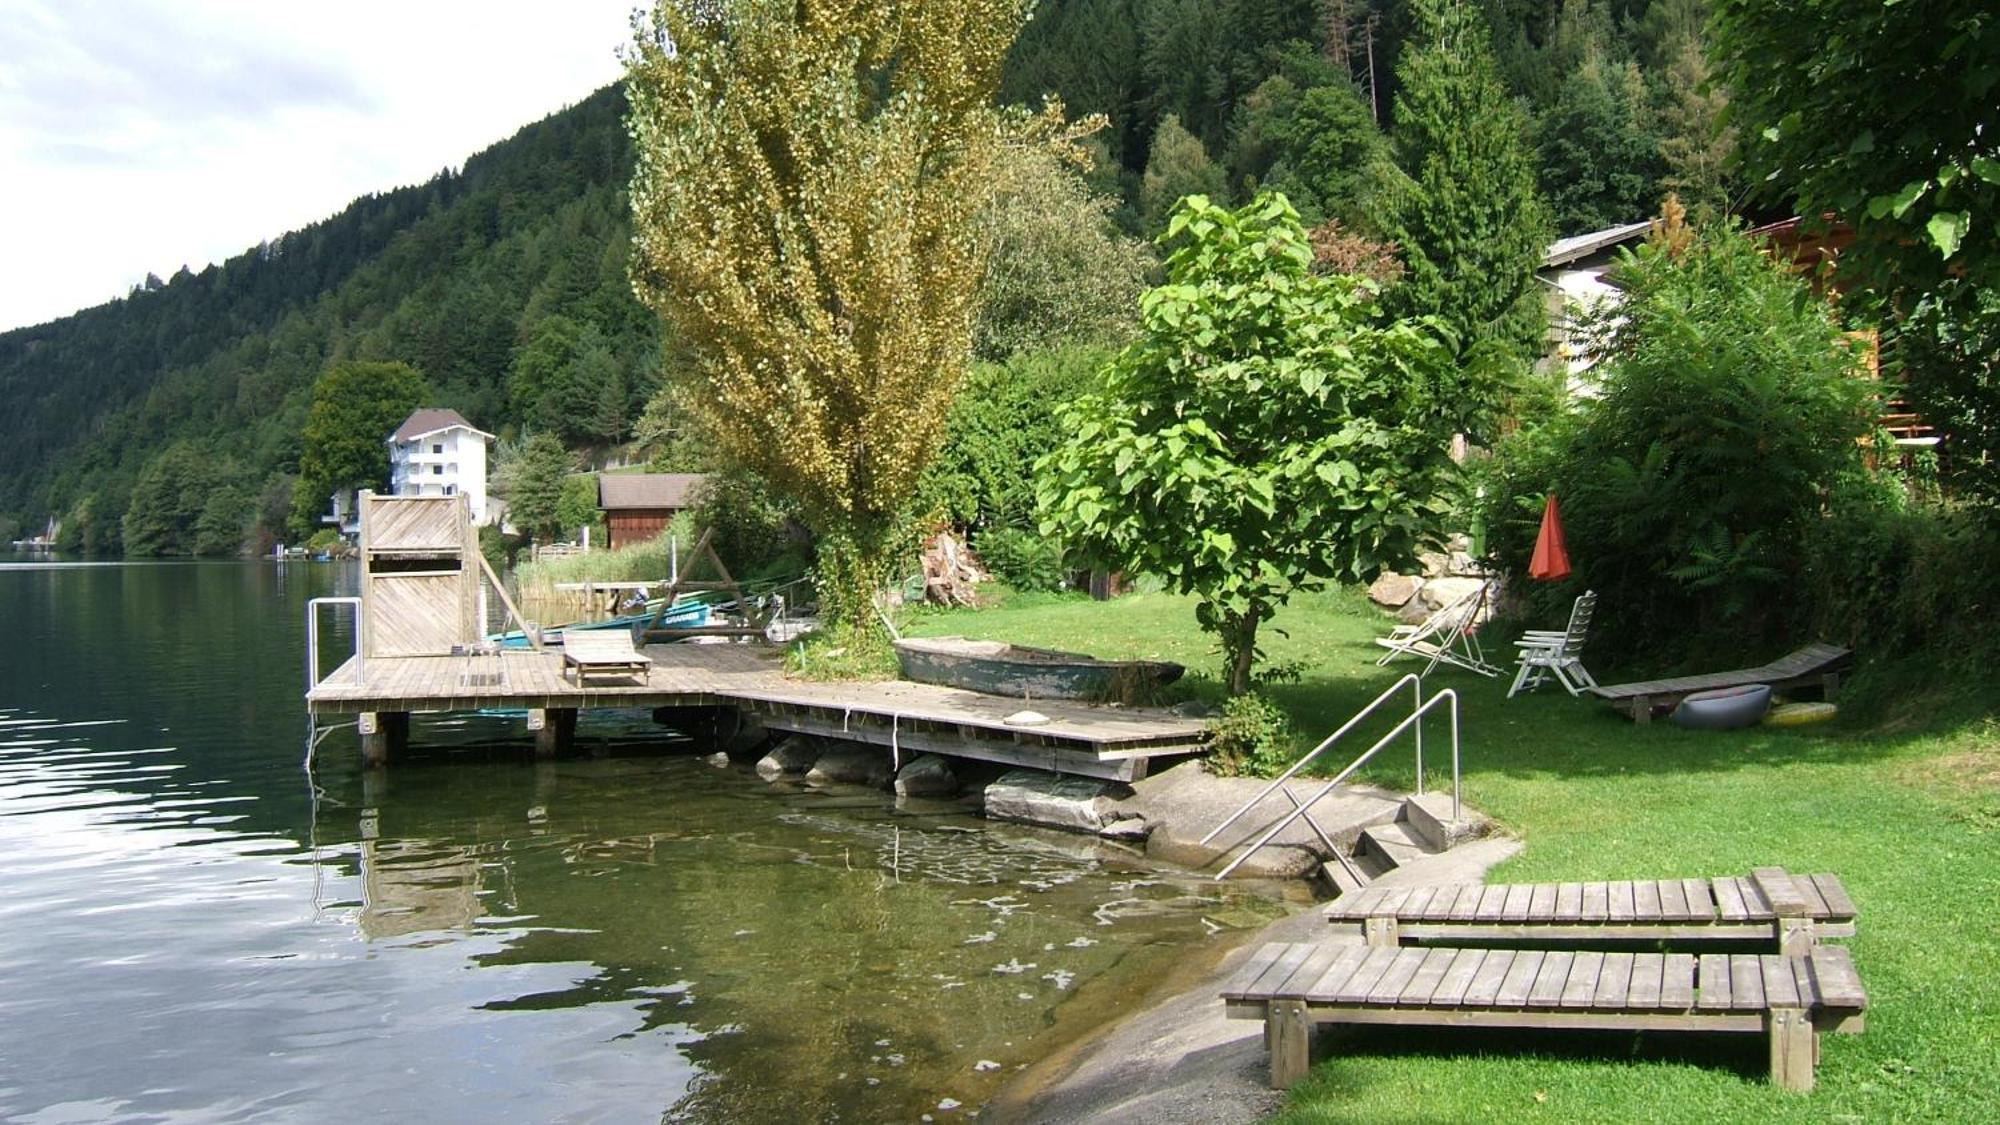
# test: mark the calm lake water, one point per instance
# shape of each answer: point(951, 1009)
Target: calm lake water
point(194, 927)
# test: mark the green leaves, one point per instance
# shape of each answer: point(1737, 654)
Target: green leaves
point(1947, 230)
point(1211, 460)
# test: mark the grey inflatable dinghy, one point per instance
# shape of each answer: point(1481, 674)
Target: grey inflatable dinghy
point(1723, 709)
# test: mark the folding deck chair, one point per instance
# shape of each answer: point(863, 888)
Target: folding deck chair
point(1545, 653)
point(1448, 636)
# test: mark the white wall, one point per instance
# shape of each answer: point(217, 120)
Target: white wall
point(445, 463)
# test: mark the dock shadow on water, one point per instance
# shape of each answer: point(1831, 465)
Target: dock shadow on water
point(192, 929)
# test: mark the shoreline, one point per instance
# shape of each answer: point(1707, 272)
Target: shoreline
point(1177, 1060)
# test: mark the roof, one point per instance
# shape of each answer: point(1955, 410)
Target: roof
point(432, 419)
point(1566, 250)
point(624, 491)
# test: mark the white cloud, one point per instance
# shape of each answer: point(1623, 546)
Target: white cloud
point(138, 136)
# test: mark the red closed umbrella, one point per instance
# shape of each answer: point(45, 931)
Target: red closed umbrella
point(1551, 559)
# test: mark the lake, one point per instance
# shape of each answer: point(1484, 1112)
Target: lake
point(197, 924)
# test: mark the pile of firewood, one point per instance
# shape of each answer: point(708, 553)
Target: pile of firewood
point(951, 571)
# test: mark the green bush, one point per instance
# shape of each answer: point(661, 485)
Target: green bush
point(1949, 350)
point(1891, 580)
point(1251, 737)
point(1021, 558)
point(1731, 403)
point(1001, 422)
point(757, 534)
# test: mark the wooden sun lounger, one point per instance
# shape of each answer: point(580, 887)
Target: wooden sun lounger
point(1785, 913)
point(602, 652)
point(1293, 986)
point(1815, 666)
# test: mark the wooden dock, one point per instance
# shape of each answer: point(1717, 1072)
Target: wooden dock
point(909, 718)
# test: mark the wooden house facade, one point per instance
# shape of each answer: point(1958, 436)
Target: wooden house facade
point(638, 506)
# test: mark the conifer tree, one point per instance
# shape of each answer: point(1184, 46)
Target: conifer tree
point(1472, 226)
point(804, 208)
point(1178, 167)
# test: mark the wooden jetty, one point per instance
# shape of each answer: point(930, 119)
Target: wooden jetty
point(420, 649)
point(908, 718)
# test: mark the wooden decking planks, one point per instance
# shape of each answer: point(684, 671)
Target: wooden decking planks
point(1444, 977)
point(1646, 907)
point(1077, 738)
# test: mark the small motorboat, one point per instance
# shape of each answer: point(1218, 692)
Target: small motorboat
point(1020, 672)
point(686, 615)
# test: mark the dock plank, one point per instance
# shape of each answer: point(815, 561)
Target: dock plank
point(1729, 903)
point(1746, 982)
point(1520, 979)
point(1585, 972)
point(1647, 976)
point(1677, 982)
point(1550, 977)
point(1614, 980)
point(1569, 902)
point(1542, 905)
point(1458, 976)
point(1424, 982)
point(1485, 986)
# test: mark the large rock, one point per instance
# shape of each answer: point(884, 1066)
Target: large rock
point(1077, 804)
point(791, 755)
point(852, 763)
point(1393, 591)
point(927, 776)
point(1434, 565)
point(1441, 592)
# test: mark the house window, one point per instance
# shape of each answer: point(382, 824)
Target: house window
point(437, 447)
point(451, 490)
point(437, 470)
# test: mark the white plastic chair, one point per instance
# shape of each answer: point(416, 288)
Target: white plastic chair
point(1545, 653)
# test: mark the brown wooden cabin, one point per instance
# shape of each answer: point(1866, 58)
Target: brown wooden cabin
point(638, 506)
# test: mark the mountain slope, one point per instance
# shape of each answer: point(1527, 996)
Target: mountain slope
point(450, 276)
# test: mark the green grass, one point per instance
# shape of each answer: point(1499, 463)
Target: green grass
point(1900, 797)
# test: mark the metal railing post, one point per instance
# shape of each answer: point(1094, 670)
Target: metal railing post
point(1415, 717)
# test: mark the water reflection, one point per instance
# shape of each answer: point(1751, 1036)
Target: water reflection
point(190, 927)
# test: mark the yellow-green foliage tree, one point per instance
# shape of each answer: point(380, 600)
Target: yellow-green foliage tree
point(808, 175)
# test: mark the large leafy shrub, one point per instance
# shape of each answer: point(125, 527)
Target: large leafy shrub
point(1002, 421)
point(1949, 348)
point(1731, 403)
point(1269, 432)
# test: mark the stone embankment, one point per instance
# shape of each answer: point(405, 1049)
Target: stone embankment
point(1352, 835)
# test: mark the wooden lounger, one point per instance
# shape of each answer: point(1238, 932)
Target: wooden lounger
point(602, 652)
point(1293, 986)
point(1814, 666)
point(1786, 913)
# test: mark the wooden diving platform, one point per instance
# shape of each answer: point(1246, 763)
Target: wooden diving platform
point(1079, 738)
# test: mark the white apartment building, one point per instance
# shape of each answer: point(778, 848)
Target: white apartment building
point(438, 453)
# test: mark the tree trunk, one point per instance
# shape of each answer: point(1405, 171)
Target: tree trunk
point(854, 565)
point(1239, 648)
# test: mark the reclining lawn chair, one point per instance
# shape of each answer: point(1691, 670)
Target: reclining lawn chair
point(1545, 653)
point(1447, 636)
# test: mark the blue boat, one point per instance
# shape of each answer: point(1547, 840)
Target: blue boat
point(685, 615)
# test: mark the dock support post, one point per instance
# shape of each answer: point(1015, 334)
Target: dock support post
point(555, 730)
point(1289, 1031)
point(1794, 1049)
point(383, 735)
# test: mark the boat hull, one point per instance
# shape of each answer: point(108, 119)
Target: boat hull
point(1024, 673)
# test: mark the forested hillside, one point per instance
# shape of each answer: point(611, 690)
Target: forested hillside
point(504, 285)
point(452, 277)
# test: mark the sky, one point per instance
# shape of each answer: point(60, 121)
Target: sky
point(138, 136)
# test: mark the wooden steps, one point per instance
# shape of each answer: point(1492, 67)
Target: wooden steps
point(1789, 912)
point(1293, 986)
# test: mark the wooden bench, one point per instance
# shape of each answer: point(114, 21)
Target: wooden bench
point(1294, 986)
point(1814, 666)
point(1787, 913)
point(602, 652)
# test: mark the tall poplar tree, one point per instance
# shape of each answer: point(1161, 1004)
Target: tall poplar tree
point(804, 203)
point(1472, 226)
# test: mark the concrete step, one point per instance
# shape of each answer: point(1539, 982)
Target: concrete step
point(1389, 846)
point(1430, 818)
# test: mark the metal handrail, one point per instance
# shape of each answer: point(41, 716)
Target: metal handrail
point(312, 638)
point(1415, 680)
point(1415, 716)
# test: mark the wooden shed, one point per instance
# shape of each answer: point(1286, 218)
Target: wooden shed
point(638, 506)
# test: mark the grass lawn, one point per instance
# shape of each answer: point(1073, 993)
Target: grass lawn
point(1905, 808)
